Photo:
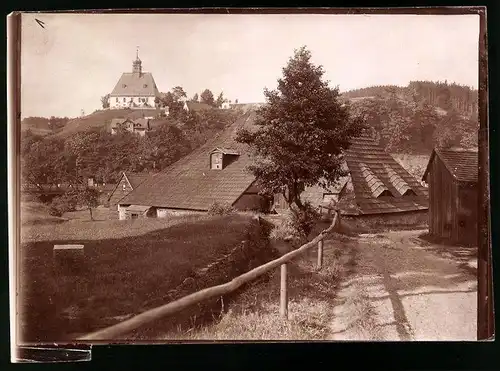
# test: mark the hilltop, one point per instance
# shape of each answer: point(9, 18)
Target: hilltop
point(415, 118)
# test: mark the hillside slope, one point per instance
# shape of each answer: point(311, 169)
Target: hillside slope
point(100, 119)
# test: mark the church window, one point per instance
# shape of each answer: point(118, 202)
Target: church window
point(124, 99)
point(117, 99)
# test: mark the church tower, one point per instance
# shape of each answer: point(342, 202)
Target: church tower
point(137, 64)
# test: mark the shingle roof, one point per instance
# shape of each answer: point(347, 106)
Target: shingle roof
point(135, 179)
point(191, 184)
point(198, 106)
point(461, 163)
point(368, 163)
point(226, 151)
point(135, 84)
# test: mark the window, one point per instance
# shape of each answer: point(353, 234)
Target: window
point(124, 85)
point(145, 85)
point(134, 216)
point(124, 186)
point(117, 99)
point(124, 99)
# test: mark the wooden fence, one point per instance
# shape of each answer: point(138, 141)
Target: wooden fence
point(176, 306)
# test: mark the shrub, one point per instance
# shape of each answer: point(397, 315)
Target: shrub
point(62, 204)
point(220, 209)
point(296, 224)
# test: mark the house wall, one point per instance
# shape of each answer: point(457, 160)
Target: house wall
point(443, 201)
point(122, 212)
point(119, 192)
point(165, 212)
point(138, 100)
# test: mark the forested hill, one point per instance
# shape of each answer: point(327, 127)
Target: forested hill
point(440, 94)
point(420, 116)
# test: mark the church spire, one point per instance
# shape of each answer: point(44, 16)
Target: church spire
point(137, 64)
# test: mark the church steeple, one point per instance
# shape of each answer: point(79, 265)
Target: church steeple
point(137, 64)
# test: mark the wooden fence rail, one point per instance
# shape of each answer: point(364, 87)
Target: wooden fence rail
point(168, 309)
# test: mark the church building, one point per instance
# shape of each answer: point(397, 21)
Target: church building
point(136, 89)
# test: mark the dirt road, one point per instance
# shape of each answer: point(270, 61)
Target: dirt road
point(403, 288)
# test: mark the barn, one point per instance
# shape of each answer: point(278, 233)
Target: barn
point(452, 177)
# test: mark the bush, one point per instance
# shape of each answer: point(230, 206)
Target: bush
point(220, 209)
point(63, 204)
point(296, 224)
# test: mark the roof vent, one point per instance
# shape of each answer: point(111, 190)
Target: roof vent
point(376, 186)
point(401, 186)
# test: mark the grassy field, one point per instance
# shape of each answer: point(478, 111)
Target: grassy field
point(126, 264)
point(37, 213)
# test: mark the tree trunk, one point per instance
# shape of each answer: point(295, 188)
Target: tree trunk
point(91, 217)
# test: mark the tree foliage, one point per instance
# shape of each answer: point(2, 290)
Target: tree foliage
point(301, 133)
point(105, 101)
point(207, 97)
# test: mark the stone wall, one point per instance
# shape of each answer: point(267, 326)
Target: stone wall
point(384, 222)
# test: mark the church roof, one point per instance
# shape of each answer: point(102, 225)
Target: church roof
point(136, 84)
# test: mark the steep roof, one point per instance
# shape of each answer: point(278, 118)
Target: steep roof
point(198, 106)
point(135, 179)
point(380, 184)
point(136, 84)
point(461, 163)
point(191, 184)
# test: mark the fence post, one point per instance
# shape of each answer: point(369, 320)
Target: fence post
point(283, 293)
point(320, 254)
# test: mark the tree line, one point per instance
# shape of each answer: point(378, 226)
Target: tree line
point(447, 96)
point(99, 154)
point(414, 125)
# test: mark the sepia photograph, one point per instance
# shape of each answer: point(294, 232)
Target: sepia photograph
point(196, 177)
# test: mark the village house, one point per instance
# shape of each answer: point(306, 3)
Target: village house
point(127, 183)
point(452, 176)
point(214, 173)
point(377, 185)
point(136, 89)
point(138, 126)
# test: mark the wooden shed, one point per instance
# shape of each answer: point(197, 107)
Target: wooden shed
point(452, 176)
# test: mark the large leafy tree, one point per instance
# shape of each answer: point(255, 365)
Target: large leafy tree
point(207, 97)
point(301, 133)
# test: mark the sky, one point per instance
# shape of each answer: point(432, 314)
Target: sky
point(76, 58)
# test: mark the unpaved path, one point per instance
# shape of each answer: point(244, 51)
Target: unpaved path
point(402, 288)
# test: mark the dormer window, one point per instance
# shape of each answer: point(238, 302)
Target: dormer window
point(222, 157)
point(217, 161)
point(375, 185)
point(401, 186)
